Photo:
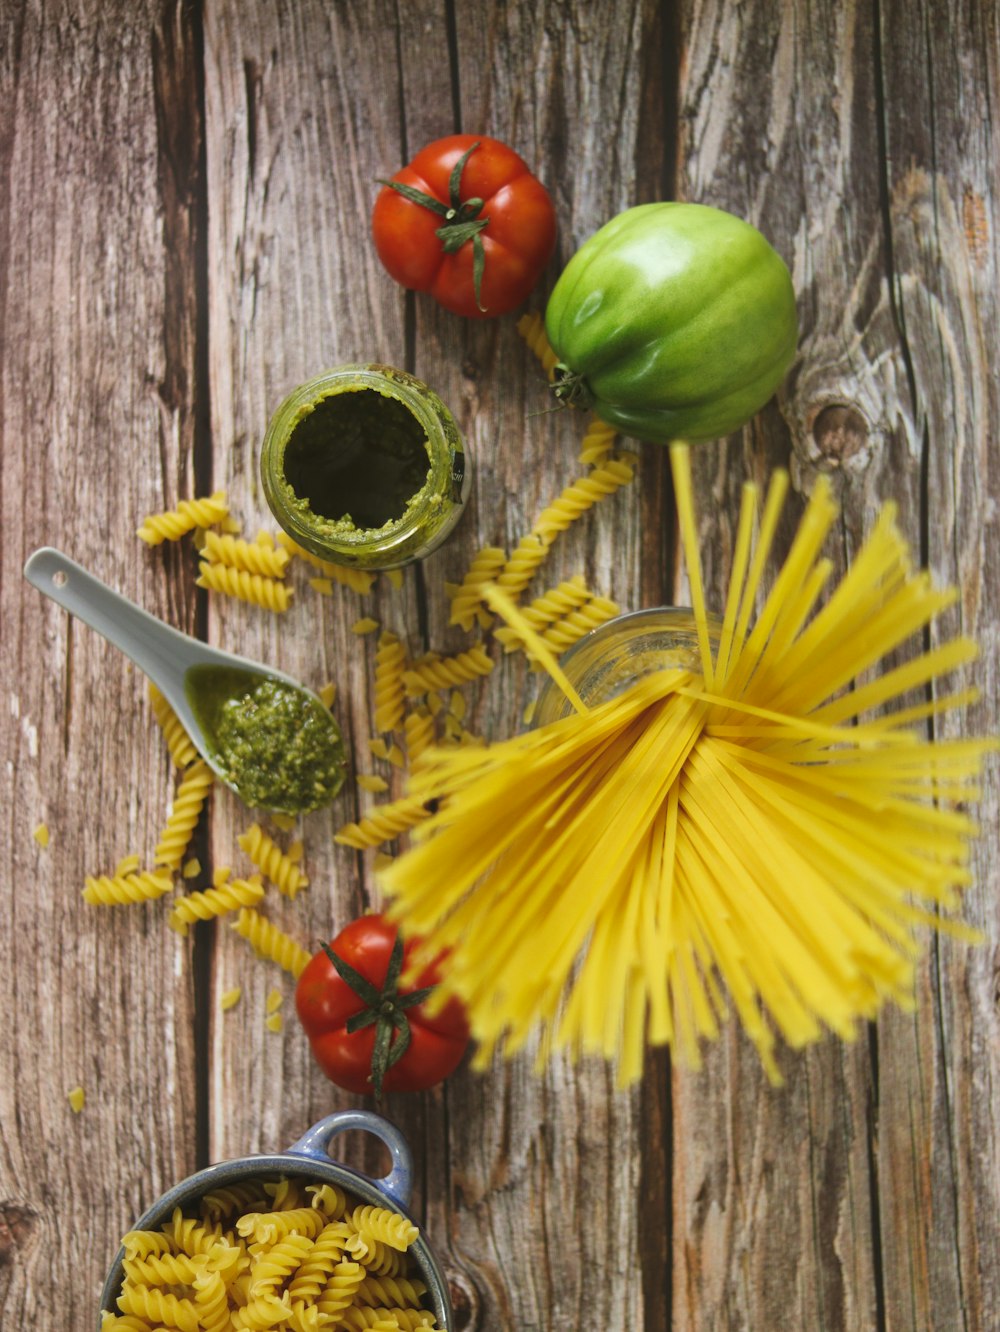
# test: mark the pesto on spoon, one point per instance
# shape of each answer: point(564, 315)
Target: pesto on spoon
point(266, 736)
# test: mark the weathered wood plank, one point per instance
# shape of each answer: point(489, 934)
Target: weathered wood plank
point(939, 1145)
point(774, 1219)
point(98, 154)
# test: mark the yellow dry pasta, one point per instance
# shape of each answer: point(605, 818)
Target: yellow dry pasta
point(523, 564)
point(278, 866)
point(179, 743)
point(532, 328)
point(369, 781)
point(738, 826)
point(172, 525)
point(582, 495)
point(418, 732)
point(270, 593)
point(230, 896)
point(558, 601)
point(230, 998)
point(184, 814)
point(77, 1098)
point(366, 625)
point(441, 672)
point(251, 556)
point(271, 943)
point(382, 824)
point(41, 835)
point(564, 632)
point(597, 443)
point(390, 697)
point(123, 889)
point(467, 601)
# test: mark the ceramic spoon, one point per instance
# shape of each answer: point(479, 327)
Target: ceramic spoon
point(163, 654)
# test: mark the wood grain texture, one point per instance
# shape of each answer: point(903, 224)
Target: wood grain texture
point(185, 192)
point(96, 413)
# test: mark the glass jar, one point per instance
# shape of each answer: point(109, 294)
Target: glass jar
point(621, 651)
point(364, 466)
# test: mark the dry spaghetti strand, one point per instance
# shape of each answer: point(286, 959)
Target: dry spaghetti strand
point(742, 836)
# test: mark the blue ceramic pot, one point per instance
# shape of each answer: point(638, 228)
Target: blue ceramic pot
point(309, 1159)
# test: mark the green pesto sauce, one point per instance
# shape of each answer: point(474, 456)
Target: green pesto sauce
point(355, 461)
point(276, 744)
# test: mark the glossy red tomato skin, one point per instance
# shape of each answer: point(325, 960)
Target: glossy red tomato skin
point(325, 1002)
point(518, 241)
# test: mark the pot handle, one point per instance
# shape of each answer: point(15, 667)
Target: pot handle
point(398, 1183)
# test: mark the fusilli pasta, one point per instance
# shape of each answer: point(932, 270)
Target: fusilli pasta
point(252, 556)
point(278, 866)
point(121, 889)
point(390, 660)
point(440, 672)
point(381, 824)
point(216, 901)
point(467, 601)
point(270, 593)
point(172, 525)
point(269, 942)
point(532, 328)
point(182, 750)
point(581, 495)
point(184, 815)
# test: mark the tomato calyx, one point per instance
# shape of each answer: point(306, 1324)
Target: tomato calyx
point(462, 221)
point(570, 388)
point(384, 1008)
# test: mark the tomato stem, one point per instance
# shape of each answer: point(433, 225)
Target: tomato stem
point(462, 222)
point(571, 388)
point(385, 1008)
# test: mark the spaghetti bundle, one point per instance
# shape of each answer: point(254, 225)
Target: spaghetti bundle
point(745, 826)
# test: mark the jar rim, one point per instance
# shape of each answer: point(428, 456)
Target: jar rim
point(392, 544)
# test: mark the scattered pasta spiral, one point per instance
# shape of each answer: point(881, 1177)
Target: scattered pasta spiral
point(532, 328)
point(440, 672)
point(519, 570)
point(182, 751)
point(120, 889)
point(274, 863)
point(229, 896)
point(572, 627)
point(585, 492)
point(173, 524)
point(184, 815)
point(390, 659)
point(270, 593)
point(597, 443)
point(382, 824)
point(418, 730)
point(252, 556)
point(270, 942)
point(467, 601)
point(550, 606)
point(387, 1227)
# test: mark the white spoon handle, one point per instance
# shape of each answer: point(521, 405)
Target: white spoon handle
point(162, 653)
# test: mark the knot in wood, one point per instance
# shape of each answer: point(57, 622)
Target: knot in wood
point(464, 1303)
point(18, 1225)
point(839, 431)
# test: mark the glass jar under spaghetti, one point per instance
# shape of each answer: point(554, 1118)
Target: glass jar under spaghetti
point(364, 466)
point(618, 653)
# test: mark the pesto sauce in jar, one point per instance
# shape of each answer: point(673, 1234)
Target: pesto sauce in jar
point(275, 743)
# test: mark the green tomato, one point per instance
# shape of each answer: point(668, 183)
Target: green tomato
point(674, 321)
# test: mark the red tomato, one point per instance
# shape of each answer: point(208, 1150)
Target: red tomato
point(467, 222)
point(328, 1005)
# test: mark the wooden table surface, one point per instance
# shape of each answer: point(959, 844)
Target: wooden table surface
point(185, 192)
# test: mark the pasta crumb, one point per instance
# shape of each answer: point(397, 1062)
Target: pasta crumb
point(286, 822)
point(192, 868)
point(371, 782)
point(41, 835)
point(219, 875)
point(366, 625)
point(395, 577)
point(274, 1001)
point(230, 998)
point(76, 1097)
point(328, 694)
point(378, 747)
point(395, 757)
point(322, 585)
point(274, 1022)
